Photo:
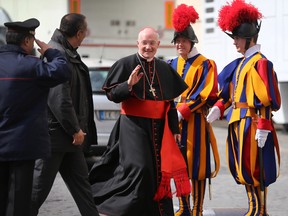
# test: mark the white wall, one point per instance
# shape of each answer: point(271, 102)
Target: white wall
point(110, 40)
point(49, 13)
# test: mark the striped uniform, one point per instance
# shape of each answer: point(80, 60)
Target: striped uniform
point(250, 86)
point(197, 136)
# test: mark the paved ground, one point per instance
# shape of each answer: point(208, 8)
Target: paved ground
point(228, 198)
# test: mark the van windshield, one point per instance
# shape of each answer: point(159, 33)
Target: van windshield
point(98, 77)
point(4, 17)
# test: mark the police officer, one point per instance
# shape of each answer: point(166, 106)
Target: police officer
point(24, 85)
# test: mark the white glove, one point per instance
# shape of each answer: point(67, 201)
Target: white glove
point(261, 136)
point(213, 114)
point(180, 117)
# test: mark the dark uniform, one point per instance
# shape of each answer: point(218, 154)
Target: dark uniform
point(24, 86)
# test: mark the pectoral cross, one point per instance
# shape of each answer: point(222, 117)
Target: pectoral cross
point(152, 90)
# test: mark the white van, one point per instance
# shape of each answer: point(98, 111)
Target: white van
point(105, 112)
point(4, 17)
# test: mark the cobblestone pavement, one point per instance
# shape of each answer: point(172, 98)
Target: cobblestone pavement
point(228, 198)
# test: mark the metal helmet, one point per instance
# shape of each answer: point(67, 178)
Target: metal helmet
point(245, 30)
point(187, 33)
point(239, 18)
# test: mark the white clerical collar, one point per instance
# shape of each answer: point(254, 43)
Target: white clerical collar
point(252, 50)
point(148, 60)
point(193, 52)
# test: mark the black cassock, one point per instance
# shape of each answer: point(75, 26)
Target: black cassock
point(126, 178)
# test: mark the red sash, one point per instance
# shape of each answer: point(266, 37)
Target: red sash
point(172, 161)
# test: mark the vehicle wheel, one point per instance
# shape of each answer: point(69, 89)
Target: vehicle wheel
point(285, 128)
point(2, 40)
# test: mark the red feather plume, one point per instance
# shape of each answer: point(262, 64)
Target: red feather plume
point(232, 15)
point(182, 16)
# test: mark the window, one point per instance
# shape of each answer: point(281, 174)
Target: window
point(130, 23)
point(209, 20)
point(209, 30)
point(115, 22)
point(210, 10)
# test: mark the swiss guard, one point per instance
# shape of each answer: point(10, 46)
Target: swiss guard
point(198, 142)
point(249, 86)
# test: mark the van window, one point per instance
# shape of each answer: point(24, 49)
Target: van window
point(4, 17)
